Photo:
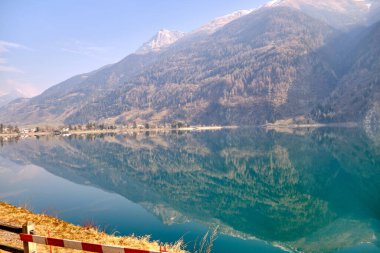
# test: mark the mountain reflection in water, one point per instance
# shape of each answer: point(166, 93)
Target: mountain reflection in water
point(316, 191)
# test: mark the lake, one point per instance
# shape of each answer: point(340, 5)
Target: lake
point(302, 191)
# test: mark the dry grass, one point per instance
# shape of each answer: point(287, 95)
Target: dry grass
point(205, 245)
point(60, 229)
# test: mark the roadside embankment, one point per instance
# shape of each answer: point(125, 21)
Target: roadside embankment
point(46, 225)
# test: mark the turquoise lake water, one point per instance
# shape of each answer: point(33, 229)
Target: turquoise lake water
point(303, 191)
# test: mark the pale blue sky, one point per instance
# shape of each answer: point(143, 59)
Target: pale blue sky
point(45, 42)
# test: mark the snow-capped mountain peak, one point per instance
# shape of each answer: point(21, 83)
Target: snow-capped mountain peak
point(273, 3)
point(348, 6)
point(161, 40)
point(222, 21)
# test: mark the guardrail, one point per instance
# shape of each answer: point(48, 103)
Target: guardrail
point(27, 228)
point(27, 235)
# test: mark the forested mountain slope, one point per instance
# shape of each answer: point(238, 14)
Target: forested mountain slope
point(357, 97)
point(263, 66)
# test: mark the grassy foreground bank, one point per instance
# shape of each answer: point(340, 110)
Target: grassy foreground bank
point(57, 228)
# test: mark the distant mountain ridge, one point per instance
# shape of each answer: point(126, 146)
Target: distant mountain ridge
point(283, 60)
point(6, 97)
point(337, 13)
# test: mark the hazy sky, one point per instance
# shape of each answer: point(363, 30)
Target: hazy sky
point(43, 42)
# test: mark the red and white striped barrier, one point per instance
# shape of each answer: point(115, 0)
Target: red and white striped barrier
point(82, 245)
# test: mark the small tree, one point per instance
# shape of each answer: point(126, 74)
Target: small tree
point(178, 124)
point(1, 128)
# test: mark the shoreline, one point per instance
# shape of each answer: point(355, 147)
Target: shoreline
point(269, 126)
point(57, 228)
point(120, 131)
point(274, 126)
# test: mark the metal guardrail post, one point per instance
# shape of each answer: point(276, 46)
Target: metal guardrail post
point(29, 247)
